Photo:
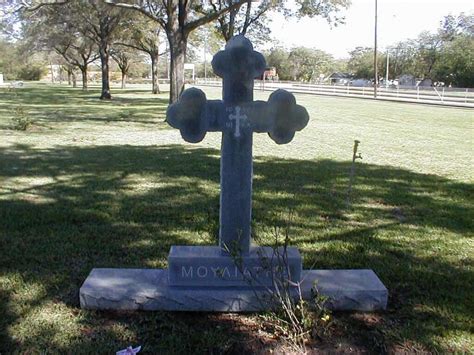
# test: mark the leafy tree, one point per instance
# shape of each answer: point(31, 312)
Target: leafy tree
point(278, 58)
point(453, 26)
point(428, 52)
point(178, 18)
point(455, 60)
point(361, 62)
point(144, 35)
point(302, 64)
point(49, 29)
point(445, 55)
point(91, 18)
point(456, 63)
point(100, 23)
point(251, 18)
point(403, 59)
point(15, 65)
point(124, 57)
point(308, 64)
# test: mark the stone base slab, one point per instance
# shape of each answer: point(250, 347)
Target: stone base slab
point(149, 290)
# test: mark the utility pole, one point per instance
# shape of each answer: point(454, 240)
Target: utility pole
point(376, 80)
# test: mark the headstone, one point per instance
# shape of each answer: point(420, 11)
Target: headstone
point(236, 275)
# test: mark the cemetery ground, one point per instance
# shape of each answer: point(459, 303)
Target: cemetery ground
point(110, 184)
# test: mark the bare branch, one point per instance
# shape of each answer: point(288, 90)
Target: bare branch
point(139, 9)
point(31, 8)
point(212, 16)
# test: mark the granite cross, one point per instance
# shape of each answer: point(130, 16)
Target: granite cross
point(237, 116)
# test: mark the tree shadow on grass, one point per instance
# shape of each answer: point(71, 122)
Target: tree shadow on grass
point(45, 108)
point(46, 94)
point(64, 211)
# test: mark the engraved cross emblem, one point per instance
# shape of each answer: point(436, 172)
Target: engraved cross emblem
point(238, 117)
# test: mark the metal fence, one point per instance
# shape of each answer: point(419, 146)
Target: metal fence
point(431, 95)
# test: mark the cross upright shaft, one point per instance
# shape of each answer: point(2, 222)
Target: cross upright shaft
point(238, 65)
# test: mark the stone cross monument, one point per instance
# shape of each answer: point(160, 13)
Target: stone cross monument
point(237, 116)
point(236, 275)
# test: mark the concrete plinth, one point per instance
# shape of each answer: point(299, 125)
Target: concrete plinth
point(149, 290)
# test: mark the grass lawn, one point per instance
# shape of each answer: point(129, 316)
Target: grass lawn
point(109, 184)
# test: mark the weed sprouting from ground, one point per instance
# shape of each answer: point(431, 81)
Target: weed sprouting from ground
point(291, 317)
point(295, 318)
point(21, 120)
point(355, 155)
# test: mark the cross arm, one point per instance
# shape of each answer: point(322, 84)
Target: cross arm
point(194, 115)
point(280, 116)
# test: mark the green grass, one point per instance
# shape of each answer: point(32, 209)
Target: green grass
point(109, 184)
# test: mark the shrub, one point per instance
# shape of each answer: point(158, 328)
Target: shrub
point(31, 72)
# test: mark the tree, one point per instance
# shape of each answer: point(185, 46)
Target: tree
point(76, 51)
point(91, 18)
point(56, 28)
point(455, 62)
point(303, 64)
point(442, 56)
point(178, 18)
point(308, 64)
point(15, 65)
point(123, 58)
point(453, 26)
point(278, 58)
point(145, 36)
point(403, 59)
point(428, 52)
point(251, 19)
point(100, 25)
point(361, 62)
point(79, 52)
point(248, 19)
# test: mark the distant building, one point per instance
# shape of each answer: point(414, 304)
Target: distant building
point(340, 78)
point(270, 73)
point(407, 80)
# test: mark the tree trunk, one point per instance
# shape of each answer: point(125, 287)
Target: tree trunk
point(124, 79)
point(104, 61)
point(74, 80)
point(68, 77)
point(84, 77)
point(155, 89)
point(52, 72)
point(178, 43)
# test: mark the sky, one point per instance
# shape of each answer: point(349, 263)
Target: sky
point(397, 20)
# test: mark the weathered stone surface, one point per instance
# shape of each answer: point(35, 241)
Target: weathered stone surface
point(149, 289)
point(347, 290)
point(238, 65)
point(206, 266)
point(288, 117)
